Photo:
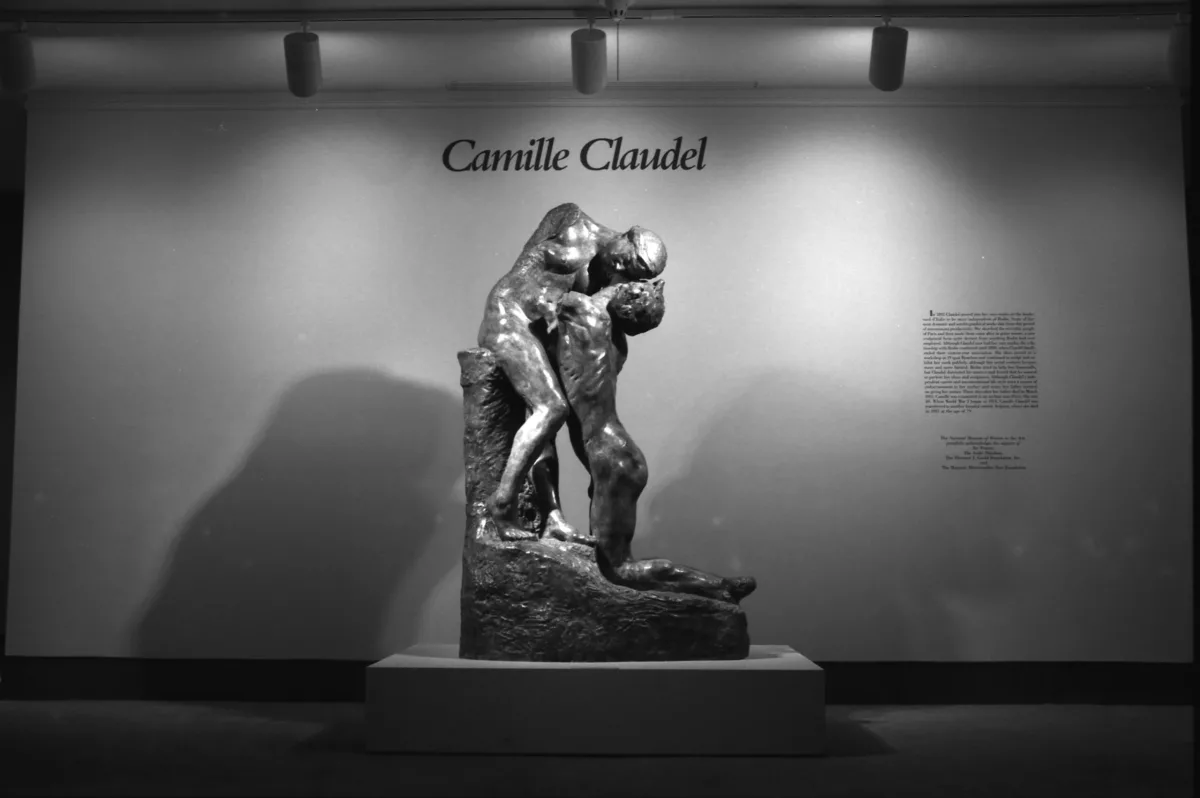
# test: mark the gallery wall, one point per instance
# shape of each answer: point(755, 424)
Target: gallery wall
point(238, 415)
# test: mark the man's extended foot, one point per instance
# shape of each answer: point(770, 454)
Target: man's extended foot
point(508, 527)
point(740, 586)
point(558, 529)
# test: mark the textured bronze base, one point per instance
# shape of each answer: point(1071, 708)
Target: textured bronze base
point(548, 602)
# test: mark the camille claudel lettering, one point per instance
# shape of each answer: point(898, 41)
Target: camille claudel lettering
point(598, 155)
point(539, 157)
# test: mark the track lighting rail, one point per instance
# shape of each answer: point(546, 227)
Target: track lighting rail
point(35, 18)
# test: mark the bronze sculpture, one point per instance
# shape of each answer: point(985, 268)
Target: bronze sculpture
point(553, 339)
point(520, 311)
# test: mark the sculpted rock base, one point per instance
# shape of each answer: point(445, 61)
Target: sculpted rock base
point(547, 600)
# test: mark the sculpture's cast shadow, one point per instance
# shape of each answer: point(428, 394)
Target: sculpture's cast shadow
point(299, 553)
point(862, 547)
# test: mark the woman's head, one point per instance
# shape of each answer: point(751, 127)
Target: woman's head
point(638, 254)
point(651, 253)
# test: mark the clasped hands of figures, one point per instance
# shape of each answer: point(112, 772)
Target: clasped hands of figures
point(558, 323)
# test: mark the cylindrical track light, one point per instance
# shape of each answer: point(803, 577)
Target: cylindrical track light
point(302, 53)
point(589, 60)
point(889, 48)
point(16, 61)
point(1179, 55)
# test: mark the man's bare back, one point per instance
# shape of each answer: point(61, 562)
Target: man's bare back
point(590, 350)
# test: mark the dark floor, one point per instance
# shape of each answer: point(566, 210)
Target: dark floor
point(143, 748)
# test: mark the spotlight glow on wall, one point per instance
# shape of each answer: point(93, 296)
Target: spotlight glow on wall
point(302, 53)
point(889, 48)
point(589, 60)
point(16, 61)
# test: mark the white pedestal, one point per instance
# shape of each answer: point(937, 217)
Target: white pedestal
point(427, 700)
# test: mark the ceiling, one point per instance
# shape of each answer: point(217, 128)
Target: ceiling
point(435, 52)
point(288, 6)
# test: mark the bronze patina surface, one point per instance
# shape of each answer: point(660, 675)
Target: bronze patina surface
point(553, 340)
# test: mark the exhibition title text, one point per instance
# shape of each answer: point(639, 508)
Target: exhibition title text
point(598, 155)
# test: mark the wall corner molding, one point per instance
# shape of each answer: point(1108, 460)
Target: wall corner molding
point(113, 678)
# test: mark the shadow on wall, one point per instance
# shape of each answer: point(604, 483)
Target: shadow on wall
point(12, 214)
point(862, 550)
point(300, 552)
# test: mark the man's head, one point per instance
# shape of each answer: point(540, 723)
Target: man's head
point(637, 307)
point(638, 254)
